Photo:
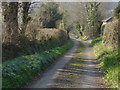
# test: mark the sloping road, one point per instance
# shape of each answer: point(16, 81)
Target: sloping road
point(89, 75)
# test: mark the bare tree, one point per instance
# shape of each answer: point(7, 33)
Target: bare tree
point(25, 17)
point(10, 13)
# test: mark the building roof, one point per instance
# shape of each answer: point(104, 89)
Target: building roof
point(108, 19)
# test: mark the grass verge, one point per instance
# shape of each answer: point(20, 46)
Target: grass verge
point(109, 59)
point(20, 70)
point(83, 38)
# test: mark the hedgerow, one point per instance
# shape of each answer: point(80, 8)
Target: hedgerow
point(109, 60)
point(44, 39)
point(117, 12)
point(111, 34)
point(22, 69)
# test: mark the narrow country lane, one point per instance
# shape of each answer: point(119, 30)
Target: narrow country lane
point(73, 71)
point(60, 44)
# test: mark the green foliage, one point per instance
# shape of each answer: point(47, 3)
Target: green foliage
point(62, 24)
point(109, 59)
point(22, 69)
point(50, 14)
point(84, 38)
point(69, 28)
point(95, 41)
point(93, 18)
point(79, 28)
point(117, 12)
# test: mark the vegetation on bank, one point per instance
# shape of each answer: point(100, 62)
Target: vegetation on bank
point(111, 35)
point(117, 12)
point(95, 41)
point(44, 39)
point(108, 52)
point(26, 31)
point(20, 70)
point(28, 46)
point(109, 60)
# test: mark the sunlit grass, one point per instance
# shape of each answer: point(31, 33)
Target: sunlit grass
point(84, 38)
point(109, 58)
point(75, 64)
point(70, 73)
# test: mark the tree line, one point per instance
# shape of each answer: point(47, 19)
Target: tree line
point(20, 27)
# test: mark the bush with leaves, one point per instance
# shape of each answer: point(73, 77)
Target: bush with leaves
point(117, 12)
point(50, 15)
point(37, 40)
point(93, 19)
point(111, 35)
point(95, 41)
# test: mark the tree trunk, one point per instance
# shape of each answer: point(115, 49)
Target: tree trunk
point(10, 12)
point(26, 18)
point(6, 31)
point(14, 21)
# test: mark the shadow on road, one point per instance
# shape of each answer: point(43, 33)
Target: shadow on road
point(82, 72)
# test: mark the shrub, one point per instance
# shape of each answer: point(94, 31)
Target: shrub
point(111, 34)
point(44, 39)
point(49, 15)
point(22, 69)
point(117, 12)
point(109, 59)
point(95, 41)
